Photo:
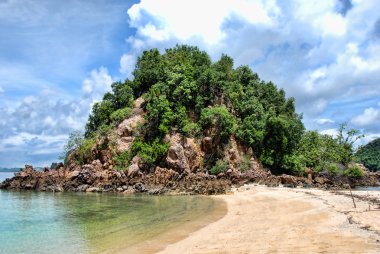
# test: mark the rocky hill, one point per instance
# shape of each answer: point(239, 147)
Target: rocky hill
point(369, 155)
point(185, 124)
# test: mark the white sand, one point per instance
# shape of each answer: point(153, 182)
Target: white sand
point(280, 220)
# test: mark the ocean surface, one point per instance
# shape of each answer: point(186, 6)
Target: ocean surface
point(38, 222)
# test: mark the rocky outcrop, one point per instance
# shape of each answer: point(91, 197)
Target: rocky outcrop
point(184, 155)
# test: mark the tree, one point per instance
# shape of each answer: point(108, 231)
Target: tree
point(281, 139)
point(346, 139)
point(218, 121)
point(149, 70)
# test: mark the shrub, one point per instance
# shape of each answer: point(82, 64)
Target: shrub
point(219, 120)
point(295, 164)
point(219, 167)
point(119, 115)
point(332, 168)
point(354, 172)
point(244, 163)
point(122, 160)
point(190, 129)
point(150, 153)
point(85, 151)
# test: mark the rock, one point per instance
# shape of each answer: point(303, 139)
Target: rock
point(207, 145)
point(164, 175)
point(72, 175)
point(129, 191)
point(92, 189)
point(119, 189)
point(288, 180)
point(124, 187)
point(193, 154)
point(319, 180)
point(139, 187)
point(176, 158)
point(82, 187)
point(133, 170)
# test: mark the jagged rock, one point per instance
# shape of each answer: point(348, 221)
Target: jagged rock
point(193, 154)
point(176, 158)
point(133, 170)
point(73, 174)
point(139, 187)
point(93, 189)
point(164, 175)
point(83, 187)
point(320, 180)
point(288, 180)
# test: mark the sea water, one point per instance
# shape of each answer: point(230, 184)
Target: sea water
point(38, 222)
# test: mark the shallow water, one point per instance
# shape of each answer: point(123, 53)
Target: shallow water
point(37, 222)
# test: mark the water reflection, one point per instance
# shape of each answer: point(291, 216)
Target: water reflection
point(88, 223)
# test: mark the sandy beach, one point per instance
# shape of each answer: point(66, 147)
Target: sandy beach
point(281, 220)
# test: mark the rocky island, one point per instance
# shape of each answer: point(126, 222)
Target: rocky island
point(187, 125)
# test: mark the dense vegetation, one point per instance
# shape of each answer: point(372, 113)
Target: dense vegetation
point(369, 155)
point(186, 92)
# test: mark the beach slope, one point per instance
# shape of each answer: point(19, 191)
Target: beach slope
point(281, 220)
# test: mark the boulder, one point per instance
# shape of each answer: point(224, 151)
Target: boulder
point(139, 187)
point(133, 170)
point(93, 189)
point(176, 158)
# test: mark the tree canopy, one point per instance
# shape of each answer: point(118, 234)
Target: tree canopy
point(185, 91)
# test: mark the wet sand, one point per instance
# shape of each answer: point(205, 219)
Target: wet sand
point(281, 220)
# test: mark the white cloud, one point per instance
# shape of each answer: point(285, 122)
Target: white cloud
point(323, 121)
point(97, 84)
point(127, 64)
point(370, 116)
point(332, 132)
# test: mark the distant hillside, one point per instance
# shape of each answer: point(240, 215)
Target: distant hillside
point(369, 155)
point(9, 169)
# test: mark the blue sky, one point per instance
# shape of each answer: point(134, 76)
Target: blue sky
point(58, 57)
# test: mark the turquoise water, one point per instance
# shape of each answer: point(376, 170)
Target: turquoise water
point(37, 222)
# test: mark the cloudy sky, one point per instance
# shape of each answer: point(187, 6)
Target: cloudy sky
point(58, 57)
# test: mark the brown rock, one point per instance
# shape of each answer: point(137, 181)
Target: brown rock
point(207, 145)
point(176, 158)
point(133, 170)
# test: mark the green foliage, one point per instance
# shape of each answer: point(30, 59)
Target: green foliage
point(333, 169)
point(186, 92)
point(369, 155)
point(281, 140)
point(149, 70)
point(244, 163)
point(346, 139)
point(354, 172)
point(74, 141)
point(84, 152)
point(122, 160)
point(295, 164)
point(190, 129)
point(150, 153)
point(218, 121)
point(120, 97)
point(119, 115)
point(219, 167)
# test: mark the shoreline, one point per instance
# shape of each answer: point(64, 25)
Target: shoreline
point(282, 220)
